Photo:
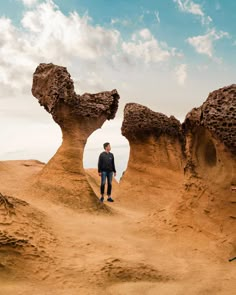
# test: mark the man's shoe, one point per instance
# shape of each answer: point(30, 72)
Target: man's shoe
point(102, 199)
point(110, 199)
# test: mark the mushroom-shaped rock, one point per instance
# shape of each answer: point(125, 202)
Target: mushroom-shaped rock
point(156, 151)
point(140, 123)
point(210, 169)
point(218, 116)
point(211, 134)
point(78, 116)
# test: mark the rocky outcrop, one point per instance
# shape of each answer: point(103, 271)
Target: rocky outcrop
point(194, 163)
point(211, 136)
point(217, 115)
point(210, 171)
point(156, 152)
point(210, 127)
point(78, 116)
point(140, 123)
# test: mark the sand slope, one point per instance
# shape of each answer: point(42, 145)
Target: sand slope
point(127, 251)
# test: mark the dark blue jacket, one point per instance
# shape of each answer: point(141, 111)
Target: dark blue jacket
point(106, 162)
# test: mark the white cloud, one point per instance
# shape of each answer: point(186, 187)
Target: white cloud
point(189, 6)
point(93, 54)
point(89, 51)
point(91, 81)
point(145, 34)
point(29, 2)
point(203, 44)
point(14, 64)
point(123, 22)
point(181, 74)
point(149, 51)
point(148, 48)
point(73, 35)
point(47, 35)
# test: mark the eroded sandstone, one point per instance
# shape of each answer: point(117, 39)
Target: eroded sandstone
point(217, 115)
point(210, 170)
point(156, 152)
point(190, 169)
point(78, 116)
point(140, 123)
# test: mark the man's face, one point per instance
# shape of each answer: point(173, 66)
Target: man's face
point(108, 148)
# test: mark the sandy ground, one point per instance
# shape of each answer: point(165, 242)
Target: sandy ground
point(126, 251)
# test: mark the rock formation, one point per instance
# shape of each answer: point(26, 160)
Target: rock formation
point(78, 116)
point(194, 163)
point(218, 115)
point(210, 171)
point(156, 152)
point(210, 131)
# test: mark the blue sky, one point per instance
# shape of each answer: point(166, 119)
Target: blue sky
point(173, 24)
point(167, 55)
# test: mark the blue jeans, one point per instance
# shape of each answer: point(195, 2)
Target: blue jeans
point(106, 175)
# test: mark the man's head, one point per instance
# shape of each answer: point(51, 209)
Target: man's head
point(107, 146)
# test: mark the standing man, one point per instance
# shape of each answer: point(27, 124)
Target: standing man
point(106, 167)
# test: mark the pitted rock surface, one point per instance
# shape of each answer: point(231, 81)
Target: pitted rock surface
point(54, 88)
point(140, 123)
point(218, 115)
point(23, 230)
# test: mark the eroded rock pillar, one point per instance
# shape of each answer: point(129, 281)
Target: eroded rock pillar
point(156, 153)
point(78, 117)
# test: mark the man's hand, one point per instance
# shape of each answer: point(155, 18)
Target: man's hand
point(115, 174)
point(99, 173)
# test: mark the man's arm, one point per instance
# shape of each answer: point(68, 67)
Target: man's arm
point(113, 165)
point(99, 164)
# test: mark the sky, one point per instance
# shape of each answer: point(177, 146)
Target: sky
point(167, 55)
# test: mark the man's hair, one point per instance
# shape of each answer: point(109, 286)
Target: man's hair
point(105, 145)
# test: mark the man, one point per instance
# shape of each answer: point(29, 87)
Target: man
point(106, 167)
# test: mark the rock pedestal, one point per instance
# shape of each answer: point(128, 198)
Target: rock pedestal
point(78, 116)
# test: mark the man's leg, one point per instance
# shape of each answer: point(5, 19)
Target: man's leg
point(102, 187)
point(109, 186)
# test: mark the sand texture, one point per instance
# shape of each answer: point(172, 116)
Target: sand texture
point(48, 248)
